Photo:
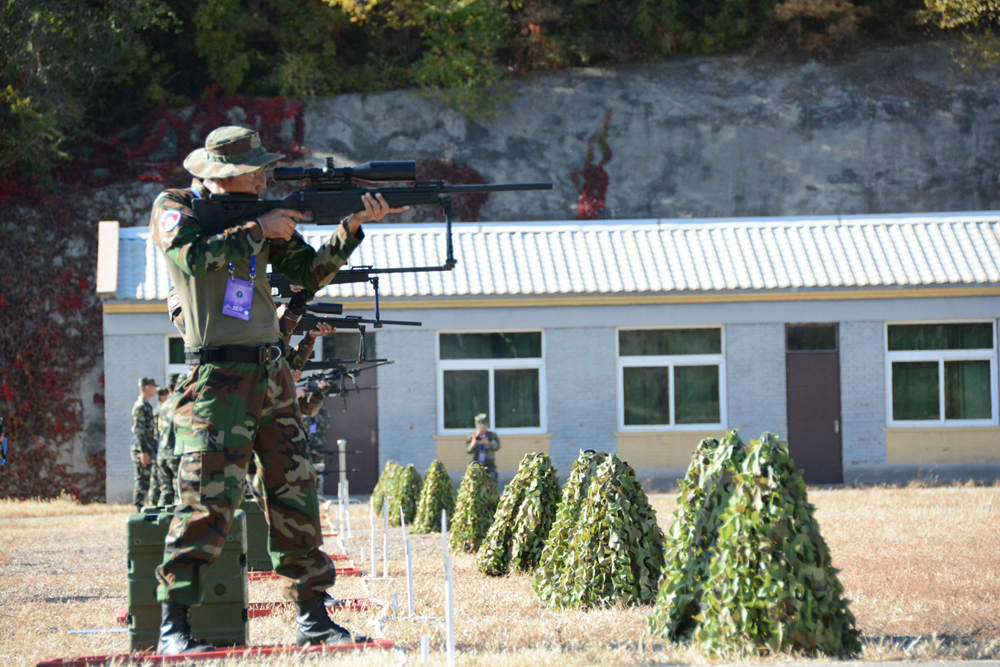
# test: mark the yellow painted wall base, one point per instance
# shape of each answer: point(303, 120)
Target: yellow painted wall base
point(661, 449)
point(968, 444)
point(451, 450)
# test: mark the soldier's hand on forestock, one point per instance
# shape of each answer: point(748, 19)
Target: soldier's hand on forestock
point(279, 223)
point(376, 208)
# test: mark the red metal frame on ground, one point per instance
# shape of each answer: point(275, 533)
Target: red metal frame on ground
point(341, 572)
point(257, 609)
point(233, 652)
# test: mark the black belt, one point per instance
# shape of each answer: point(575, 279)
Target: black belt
point(261, 354)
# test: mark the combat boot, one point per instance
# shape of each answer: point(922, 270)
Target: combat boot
point(175, 632)
point(316, 627)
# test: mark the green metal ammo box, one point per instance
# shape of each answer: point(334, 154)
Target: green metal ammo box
point(258, 558)
point(223, 617)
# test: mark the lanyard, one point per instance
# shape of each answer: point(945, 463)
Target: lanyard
point(253, 267)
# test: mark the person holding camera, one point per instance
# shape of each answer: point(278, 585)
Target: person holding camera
point(483, 444)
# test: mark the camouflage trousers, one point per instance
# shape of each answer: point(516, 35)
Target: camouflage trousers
point(227, 414)
point(140, 487)
point(165, 493)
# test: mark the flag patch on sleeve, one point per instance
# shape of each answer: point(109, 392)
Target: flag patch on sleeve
point(169, 220)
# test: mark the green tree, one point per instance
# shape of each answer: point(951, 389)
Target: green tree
point(977, 20)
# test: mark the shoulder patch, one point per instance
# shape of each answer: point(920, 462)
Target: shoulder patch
point(169, 220)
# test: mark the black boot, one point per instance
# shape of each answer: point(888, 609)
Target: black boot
point(316, 627)
point(175, 632)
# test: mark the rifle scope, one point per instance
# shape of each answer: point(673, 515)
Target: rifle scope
point(405, 170)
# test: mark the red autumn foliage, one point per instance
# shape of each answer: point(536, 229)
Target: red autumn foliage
point(49, 313)
point(592, 181)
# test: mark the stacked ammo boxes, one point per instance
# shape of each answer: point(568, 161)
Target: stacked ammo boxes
point(258, 557)
point(221, 619)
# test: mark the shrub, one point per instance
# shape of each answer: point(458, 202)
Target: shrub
point(523, 518)
point(768, 584)
point(403, 492)
point(477, 501)
point(605, 547)
point(436, 495)
point(383, 484)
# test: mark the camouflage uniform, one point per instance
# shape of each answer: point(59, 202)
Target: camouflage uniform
point(167, 460)
point(483, 452)
point(229, 412)
point(143, 440)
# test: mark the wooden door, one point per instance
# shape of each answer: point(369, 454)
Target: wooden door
point(812, 361)
point(353, 417)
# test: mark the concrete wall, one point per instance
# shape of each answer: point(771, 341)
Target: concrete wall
point(133, 348)
point(755, 379)
point(862, 393)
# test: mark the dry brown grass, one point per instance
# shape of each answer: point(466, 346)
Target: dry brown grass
point(920, 565)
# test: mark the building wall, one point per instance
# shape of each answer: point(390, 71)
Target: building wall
point(580, 371)
point(862, 393)
point(133, 348)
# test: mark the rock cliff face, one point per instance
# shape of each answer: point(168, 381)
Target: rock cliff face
point(893, 130)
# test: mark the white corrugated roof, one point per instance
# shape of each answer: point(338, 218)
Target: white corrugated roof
point(646, 256)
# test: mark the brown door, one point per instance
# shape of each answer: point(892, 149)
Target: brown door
point(812, 361)
point(353, 417)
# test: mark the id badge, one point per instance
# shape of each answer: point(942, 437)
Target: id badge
point(238, 299)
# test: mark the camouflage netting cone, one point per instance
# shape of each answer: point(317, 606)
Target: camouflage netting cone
point(403, 490)
point(383, 483)
point(611, 552)
point(522, 520)
point(769, 584)
point(436, 495)
point(474, 509)
point(704, 492)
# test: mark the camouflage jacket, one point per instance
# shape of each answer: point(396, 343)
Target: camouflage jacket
point(485, 454)
point(143, 428)
point(198, 265)
point(166, 449)
point(316, 428)
point(297, 356)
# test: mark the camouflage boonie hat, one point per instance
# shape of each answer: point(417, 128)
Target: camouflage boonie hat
point(145, 382)
point(229, 151)
point(482, 420)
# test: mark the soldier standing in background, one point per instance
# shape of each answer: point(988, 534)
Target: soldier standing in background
point(166, 459)
point(143, 441)
point(483, 444)
point(239, 400)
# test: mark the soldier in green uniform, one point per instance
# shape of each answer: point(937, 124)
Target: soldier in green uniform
point(483, 444)
point(167, 459)
point(143, 447)
point(239, 399)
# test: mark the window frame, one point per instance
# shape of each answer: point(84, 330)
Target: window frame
point(491, 365)
point(940, 356)
point(670, 361)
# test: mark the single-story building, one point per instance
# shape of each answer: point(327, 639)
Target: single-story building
point(868, 342)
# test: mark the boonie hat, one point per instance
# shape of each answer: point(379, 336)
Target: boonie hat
point(145, 382)
point(481, 419)
point(229, 151)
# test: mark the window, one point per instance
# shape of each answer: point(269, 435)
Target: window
point(175, 356)
point(499, 373)
point(670, 379)
point(941, 373)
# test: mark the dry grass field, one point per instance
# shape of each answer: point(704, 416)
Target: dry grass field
point(920, 564)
